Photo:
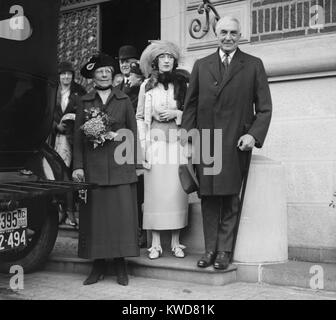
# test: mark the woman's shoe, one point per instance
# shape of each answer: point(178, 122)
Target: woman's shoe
point(71, 220)
point(178, 251)
point(154, 252)
point(97, 273)
point(121, 270)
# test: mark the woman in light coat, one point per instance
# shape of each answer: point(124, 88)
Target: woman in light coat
point(159, 114)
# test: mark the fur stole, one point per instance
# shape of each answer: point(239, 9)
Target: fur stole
point(179, 78)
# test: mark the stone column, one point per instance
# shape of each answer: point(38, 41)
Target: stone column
point(262, 234)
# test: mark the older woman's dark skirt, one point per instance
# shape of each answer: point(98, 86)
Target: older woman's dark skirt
point(108, 223)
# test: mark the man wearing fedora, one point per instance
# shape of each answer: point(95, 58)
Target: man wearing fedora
point(129, 66)
point(228, 93)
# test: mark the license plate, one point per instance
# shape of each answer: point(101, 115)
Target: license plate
point(13, 226)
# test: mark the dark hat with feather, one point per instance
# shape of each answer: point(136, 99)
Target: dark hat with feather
point(95, 62)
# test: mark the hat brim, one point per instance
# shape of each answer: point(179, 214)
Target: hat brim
point(127, 57)
point(87, 71)
point(153, 50)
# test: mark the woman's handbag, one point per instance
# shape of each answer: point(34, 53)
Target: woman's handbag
point(188, 177)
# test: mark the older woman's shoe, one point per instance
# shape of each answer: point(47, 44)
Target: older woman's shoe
point(121, 270)
point(207, 260)
point(222, 260)
point(154, 252)
point(97, 273)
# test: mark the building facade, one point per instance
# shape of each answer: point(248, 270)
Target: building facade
point(296, 39)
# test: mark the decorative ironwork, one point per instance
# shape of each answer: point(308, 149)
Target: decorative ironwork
point(78, 38)
point(196, 30)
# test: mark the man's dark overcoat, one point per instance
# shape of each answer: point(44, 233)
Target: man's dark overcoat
point(132, 92)
point(237, 102)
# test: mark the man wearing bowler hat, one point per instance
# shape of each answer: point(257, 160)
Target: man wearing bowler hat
point(127, 55)
point(128, 63)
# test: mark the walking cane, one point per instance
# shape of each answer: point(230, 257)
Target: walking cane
point(236, 229)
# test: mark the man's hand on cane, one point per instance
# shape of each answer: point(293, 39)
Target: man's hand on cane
point(246, 142)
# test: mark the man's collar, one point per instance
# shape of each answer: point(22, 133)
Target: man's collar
point(222, 54)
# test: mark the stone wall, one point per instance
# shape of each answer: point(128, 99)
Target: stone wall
point(281, 19)
point(302, 76)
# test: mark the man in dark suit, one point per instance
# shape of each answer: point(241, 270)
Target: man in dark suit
point(127, 56)
point(229, 92)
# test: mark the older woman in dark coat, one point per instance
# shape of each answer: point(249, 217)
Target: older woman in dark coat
point(108, 221)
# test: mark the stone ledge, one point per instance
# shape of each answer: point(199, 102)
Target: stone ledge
point(291, 273)
point(185, 270)
point(300, 274)
point(317, 255)
point(166, 267)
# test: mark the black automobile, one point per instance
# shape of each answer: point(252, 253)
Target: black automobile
point(32, 175)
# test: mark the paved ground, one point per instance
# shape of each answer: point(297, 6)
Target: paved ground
point(58, 286)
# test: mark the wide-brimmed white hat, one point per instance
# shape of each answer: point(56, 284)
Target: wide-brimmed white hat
point(156, 48)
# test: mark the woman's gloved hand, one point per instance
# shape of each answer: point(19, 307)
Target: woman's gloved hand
point(167, 115)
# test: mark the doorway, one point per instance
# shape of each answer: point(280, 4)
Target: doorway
point(132, 22)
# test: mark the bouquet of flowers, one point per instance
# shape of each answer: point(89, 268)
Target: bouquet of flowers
point(97, 127)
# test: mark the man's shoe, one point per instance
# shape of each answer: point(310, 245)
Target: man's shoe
point(222, 260)
point(207, 260)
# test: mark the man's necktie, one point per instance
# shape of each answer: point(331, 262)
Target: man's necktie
point(226, 62)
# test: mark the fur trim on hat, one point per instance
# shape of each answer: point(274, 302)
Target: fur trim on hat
point(156, 48)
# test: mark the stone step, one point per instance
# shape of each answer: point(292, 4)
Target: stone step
point(64, 259)
point(292, 273)
point(168, 267)
point(67, 231)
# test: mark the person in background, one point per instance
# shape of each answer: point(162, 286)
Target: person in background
point(118, 79)
point(68, 95)
point(136, 78)
point(108, 225)
point(160, 109)
point(127, 55)
point(132, 79)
